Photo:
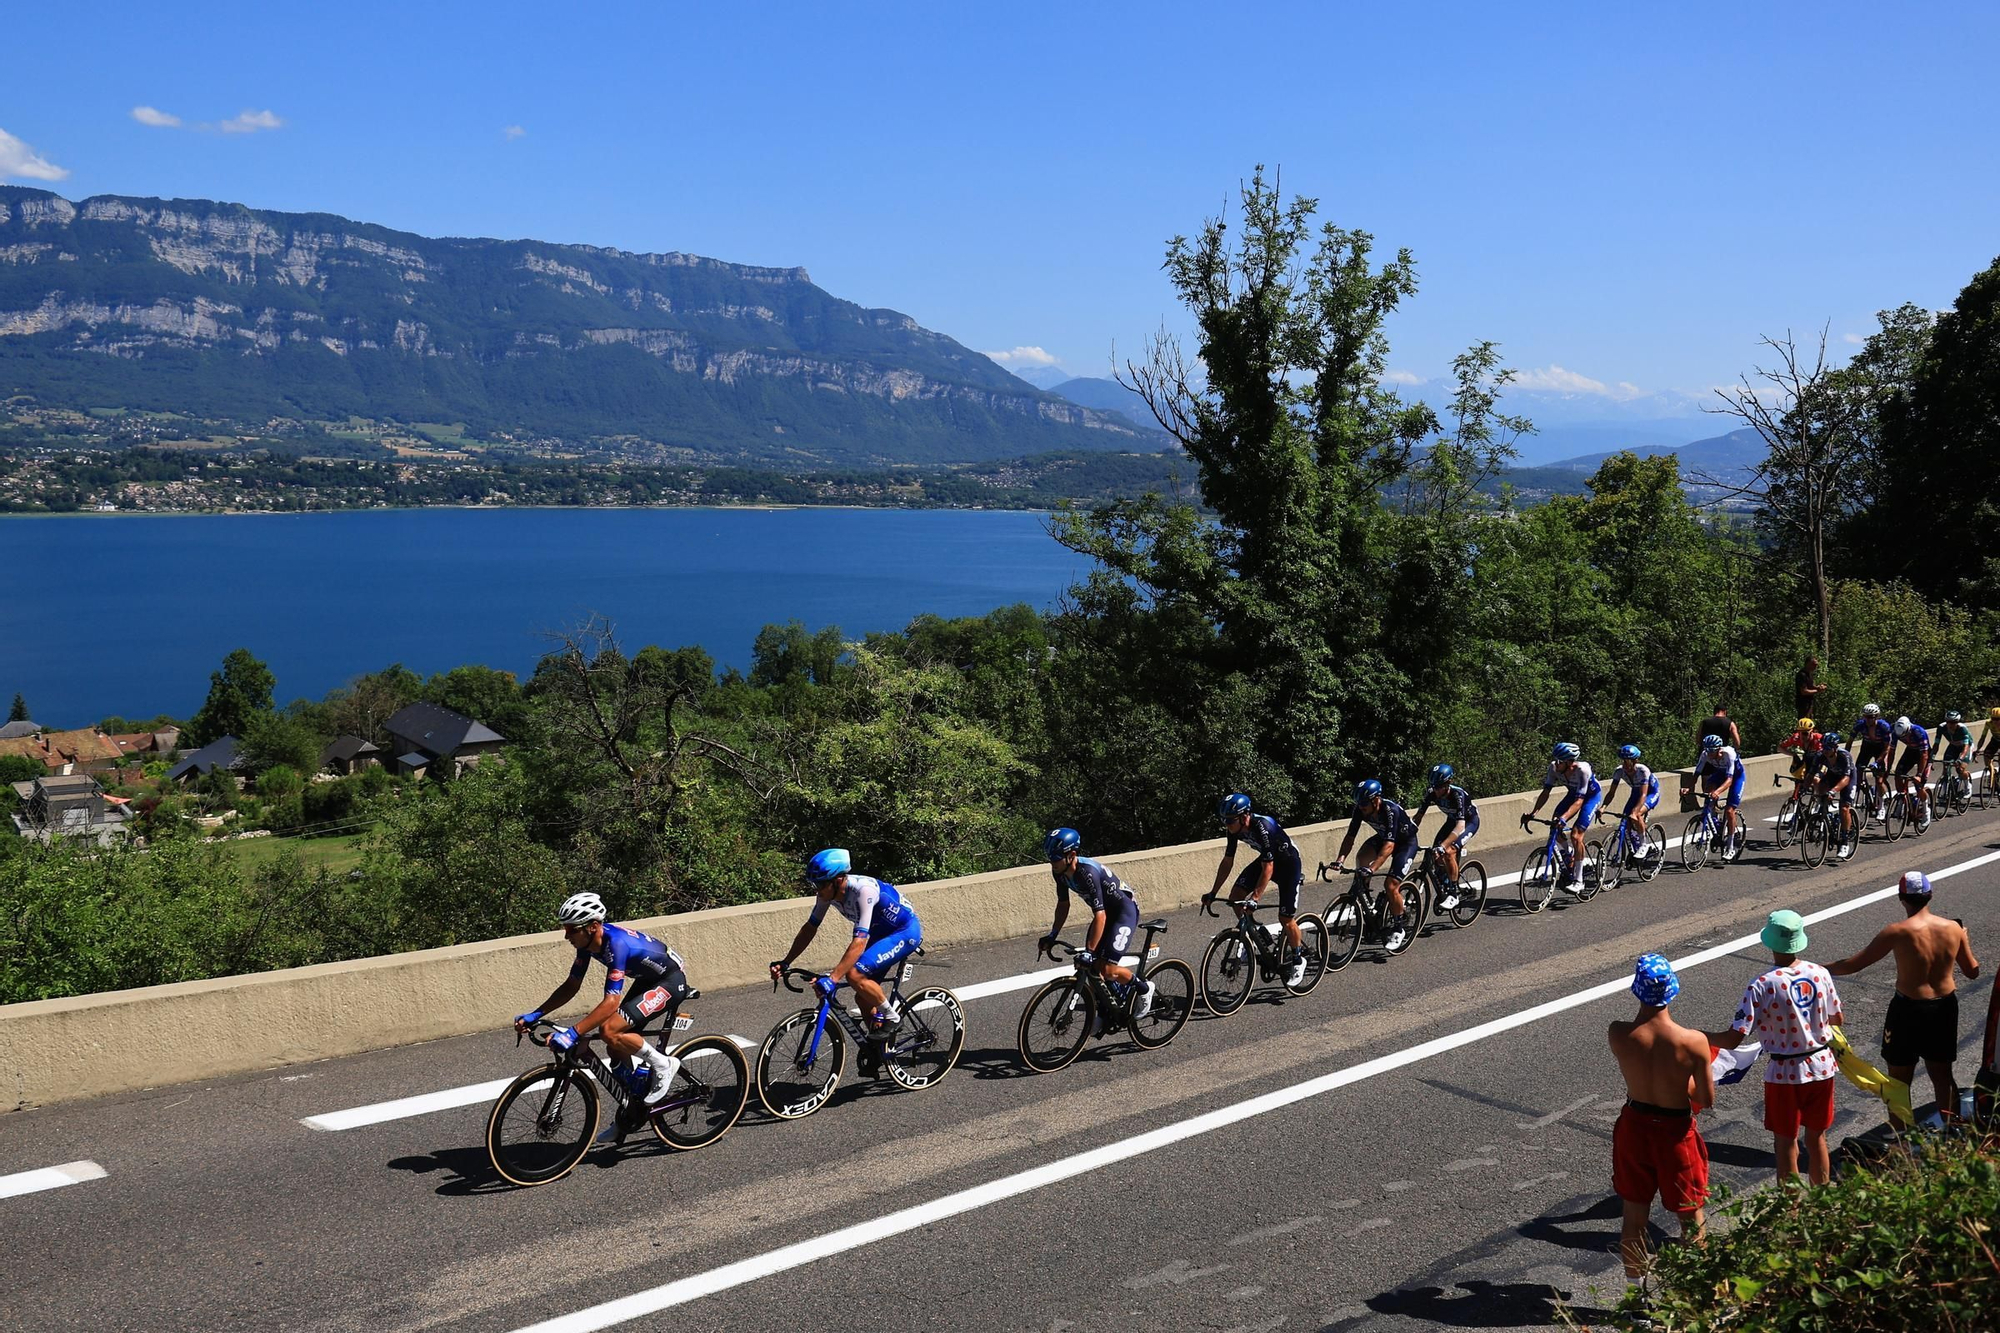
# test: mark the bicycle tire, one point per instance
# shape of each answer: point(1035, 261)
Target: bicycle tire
point(714, 1074)
point(1471, 894)
point(1655, 859)
point(1173, 1004)
point(1062, 1010)
point(1538, 881)
point(1345, 923)
point(1228, 972)
point(1413, 908)
point(783, 1053)
point(926, 1045)
point(1694, 845)
point(1814, 838)
point(1591, 882)
point(1733, 847)
point(1896, 818)
point(1611, 870)
point(1312, 941)
point(1788, 816)
point(527, 1161)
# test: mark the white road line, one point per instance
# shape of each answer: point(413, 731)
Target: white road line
point(979, 990)
point(404, 1107)
point(49, 1178)
point(652, 1300)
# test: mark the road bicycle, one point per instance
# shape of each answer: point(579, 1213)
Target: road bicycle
point(1873, 804)
point(1953, 795)
point(801, 1061)
point(1242, 953)
point(1359, 917)
point(1901, 813)
point(1068, 1011)
point(1787, 825)
point(1550, 865)
point(545, 1121)
point(1707, 836)
point(1632, 853)
point(1466, 895)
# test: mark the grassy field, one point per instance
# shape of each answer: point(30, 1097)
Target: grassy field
point(340, 853)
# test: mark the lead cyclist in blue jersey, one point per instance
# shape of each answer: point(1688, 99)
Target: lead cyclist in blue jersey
point(1645, 788)
point(1278, 861)
point(885, 931)
point(642, 978)
point(1114, 912)
point(1720, 774)
point(1582, 794)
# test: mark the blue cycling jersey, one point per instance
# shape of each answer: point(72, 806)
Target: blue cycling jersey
point(1580, 780)
point(1091, 881)
point(1267, 837)
point(1720, 763)
point(625, 953)
point(874, 907)
point(1835, 765)
point(1641, 778)
point(1918, 738)
point(1390, 819)
point(1881, 729)
point(1455, 804)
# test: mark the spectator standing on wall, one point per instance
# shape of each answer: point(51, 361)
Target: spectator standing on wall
point(1807, 690)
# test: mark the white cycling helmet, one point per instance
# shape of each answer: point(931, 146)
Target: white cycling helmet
point(1902, 726)
point(1871, 710)
point(581, 909)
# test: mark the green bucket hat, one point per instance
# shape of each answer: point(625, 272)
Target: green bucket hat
point(1785, 932)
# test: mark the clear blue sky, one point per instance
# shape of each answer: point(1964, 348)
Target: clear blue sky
point(1634, 197)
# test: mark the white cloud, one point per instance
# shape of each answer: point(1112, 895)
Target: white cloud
point(513, 132)
point(19, 160)
point(1854, 338)
point(1555, 379)
point(158, 119)
point(1402, 377)
point(249, 122)
point(1022, 356)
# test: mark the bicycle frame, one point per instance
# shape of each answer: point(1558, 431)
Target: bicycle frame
point(585, 1056)
point(850, 1022)
point(1107, 1005)
point(1268, 947)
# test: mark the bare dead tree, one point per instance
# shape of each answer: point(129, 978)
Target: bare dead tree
point(1812, 420)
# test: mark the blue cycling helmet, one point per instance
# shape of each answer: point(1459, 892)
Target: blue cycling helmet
point(1365, 792)
point(1565, 750)
point(1830, 741)
point(1060, 843)
point(1628, 752)
point(1710, 742)
point(829, 864)
point(1442, 774)
point(1234, 804)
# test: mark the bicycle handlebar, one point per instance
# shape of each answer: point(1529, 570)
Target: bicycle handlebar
point(786, 976)
point(1067, 948)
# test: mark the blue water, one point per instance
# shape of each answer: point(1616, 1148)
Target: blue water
point(129, 614)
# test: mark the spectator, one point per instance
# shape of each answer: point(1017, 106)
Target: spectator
point(1793, 1008)
point(1655, 1148)
point(1987, 1086)
point(1807, 689)
point(1922, 1022)
point(1719, 725)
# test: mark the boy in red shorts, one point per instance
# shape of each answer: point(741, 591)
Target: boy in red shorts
point(1656, 1148)
point(1794, 1009)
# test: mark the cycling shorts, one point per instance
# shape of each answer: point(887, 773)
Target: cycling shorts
point(1953, 753)
point(1287, 872)
point(1652, 798)
point(885, 951)
point(1400, 860)
point(1586, 801)
point(1870, 752)
point(1913, 761)
point(650, 994)
point(1121, 926)
point(1826, 785)
point(1456, 834)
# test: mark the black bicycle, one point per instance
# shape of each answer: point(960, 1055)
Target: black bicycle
point(1954, 789)
point(1462, 899)
point(1359, 917)
point(545, 1120)
point(1246, 951)
point(801, 1061)
point(1068, 1011)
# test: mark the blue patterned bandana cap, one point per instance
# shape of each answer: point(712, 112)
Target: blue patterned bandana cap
point(1654, 982)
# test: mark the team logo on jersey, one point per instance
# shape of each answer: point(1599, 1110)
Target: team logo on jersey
point(653, 1001)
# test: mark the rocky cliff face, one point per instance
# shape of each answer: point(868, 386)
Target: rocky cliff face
point(217, 309)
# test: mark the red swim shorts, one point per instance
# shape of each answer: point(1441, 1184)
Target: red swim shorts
point(1790, 1105)
point(1659, 1154)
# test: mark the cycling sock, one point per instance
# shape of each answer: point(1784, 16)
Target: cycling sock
point(664, 1065)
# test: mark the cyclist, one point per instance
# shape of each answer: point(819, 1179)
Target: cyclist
point(1915, 761)
point(1957, 738)
point(1836, 778)
point(1395, 832)
point(1991, 752)
point(885, 929)
point(1873, 735)
point(1645, 786)
point(1805, 745)
point(658, 983)
point(1721, 768)
point(1461, 821)
point(1582, 794)
point(1114, 911)
point(1278, 861)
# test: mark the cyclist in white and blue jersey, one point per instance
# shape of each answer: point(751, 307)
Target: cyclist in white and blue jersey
point(1582, 794)
point(1394, 841)
point(1278, 862)
point(1114, 912)
point(1645, 788)
point(1915, 761)
point(1720, 774)
point(1461, 821)
point(886, 930)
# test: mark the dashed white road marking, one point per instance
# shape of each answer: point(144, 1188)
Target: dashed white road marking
point(1176, 1274)
point(1554, 1116)
point(1533, 1181)
point(1279, 1229)
point(1468, 1163)
point(49, 1178)
point(404, 1107)
point(1372, 1224)
point(1398, 1186)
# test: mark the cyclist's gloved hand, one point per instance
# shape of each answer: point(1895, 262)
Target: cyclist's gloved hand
point(562, 1039)
point(529, 1019)
point(1524, 823)
point(826, 986)
point(1085, 956)
point(1042, 945)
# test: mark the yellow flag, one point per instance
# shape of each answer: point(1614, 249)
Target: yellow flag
point(1865, 1076)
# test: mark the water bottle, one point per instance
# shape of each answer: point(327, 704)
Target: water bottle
point(1965, 1106)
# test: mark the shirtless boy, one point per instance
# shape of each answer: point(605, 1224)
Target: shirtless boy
point(1922, 1023)
point(1655, 1148)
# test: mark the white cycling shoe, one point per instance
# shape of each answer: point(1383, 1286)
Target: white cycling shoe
point(1142, 1003)
point(662, 1080)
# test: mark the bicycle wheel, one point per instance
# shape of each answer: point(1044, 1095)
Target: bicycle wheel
point(1471, 893)
point(1732, 844)
point(1344, 926)
point(1312, 944)
point(926, 1044)
point(1592, 878)
point(1538, 880)
point(1897, 818)
point(542, 1125)
point(1228, 971)
point(1611, 867)
point(708, 1093)
point(1954, 795)
point(1055, 1025)
point(1694, 844)
point(1653, 855)
point(1173, 1002)
point(1814, 838)
point(1788, 816)
point(793, 1080)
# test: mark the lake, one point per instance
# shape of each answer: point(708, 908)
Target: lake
point(129, 614)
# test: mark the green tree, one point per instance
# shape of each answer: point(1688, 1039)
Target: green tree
point(788, 655)
point(484, 695)
point(361, 706)
point(19, 712)
point(237, 694)
point(20, 768)
point(279, 740)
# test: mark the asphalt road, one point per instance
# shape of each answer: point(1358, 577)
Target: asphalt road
point(1463, 1184)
